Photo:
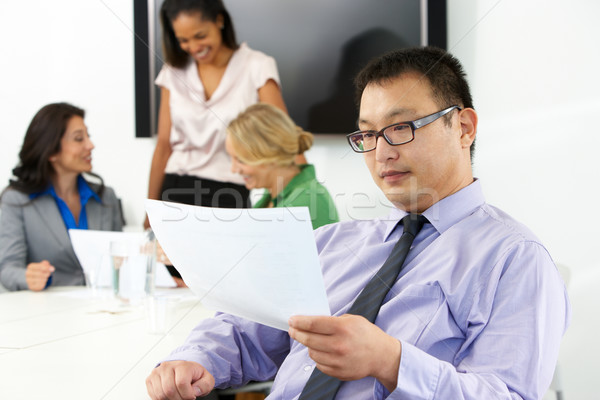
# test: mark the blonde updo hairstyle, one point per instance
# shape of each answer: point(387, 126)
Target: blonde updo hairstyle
point(263, 134)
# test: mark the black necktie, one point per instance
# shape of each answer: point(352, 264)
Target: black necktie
point(368, 302)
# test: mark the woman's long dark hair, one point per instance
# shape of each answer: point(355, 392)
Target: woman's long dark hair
point(209, 9)
point(42, 140)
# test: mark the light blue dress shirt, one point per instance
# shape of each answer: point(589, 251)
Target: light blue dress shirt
point(479, 307)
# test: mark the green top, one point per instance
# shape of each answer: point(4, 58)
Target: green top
point(305, 190)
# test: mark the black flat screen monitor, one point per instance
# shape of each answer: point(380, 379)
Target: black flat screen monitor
point(319, 46)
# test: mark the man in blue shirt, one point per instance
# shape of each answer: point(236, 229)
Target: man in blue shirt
point(478, 310)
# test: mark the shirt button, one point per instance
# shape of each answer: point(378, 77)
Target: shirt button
point(307, 368)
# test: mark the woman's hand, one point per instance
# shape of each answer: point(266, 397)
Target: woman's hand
point(37, 275)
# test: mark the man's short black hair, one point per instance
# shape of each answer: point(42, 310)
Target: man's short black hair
point(442, 70)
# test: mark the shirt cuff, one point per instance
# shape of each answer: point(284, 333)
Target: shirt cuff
point(48, 282)
point(418, 375)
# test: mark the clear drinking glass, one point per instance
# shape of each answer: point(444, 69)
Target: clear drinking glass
point(133, 267)
point(150, 251)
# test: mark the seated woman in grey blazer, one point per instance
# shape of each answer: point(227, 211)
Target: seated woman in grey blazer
point(49, 195)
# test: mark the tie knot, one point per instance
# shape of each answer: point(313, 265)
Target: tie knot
point(413, 223)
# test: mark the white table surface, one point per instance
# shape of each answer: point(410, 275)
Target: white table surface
point(63, 344)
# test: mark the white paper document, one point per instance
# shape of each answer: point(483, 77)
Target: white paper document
point(92, 248)
point(260, 264)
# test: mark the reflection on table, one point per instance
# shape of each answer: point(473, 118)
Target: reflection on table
point(63, 343)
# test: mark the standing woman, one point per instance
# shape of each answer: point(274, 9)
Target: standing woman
point(48, 196)
point(208, 79)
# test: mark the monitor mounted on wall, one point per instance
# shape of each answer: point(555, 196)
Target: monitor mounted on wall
point(319, 46)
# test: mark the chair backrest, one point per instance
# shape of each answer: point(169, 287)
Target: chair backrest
point(565, 273)
point(556, 385)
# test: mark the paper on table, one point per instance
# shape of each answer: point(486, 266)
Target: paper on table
point(260, 264)
point(92, 248)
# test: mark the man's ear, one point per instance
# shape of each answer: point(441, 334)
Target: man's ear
point(468, 126)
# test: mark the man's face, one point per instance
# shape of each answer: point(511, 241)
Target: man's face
point(435, 164)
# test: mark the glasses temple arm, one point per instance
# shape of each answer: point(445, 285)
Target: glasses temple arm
point(430, 118)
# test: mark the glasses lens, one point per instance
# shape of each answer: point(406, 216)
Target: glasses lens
point(357, 142)
point(399, 134)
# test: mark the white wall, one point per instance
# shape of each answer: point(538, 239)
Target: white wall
point(79, 51)
point(532, 67)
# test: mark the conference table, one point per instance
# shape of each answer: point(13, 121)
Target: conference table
point(70, 343)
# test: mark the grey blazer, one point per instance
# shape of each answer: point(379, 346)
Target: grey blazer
point(33, 230)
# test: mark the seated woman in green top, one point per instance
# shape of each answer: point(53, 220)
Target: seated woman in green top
point(263, 142)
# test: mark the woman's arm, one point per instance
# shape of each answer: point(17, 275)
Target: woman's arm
point(271, 93)
point(13, 246)
point(163, 149)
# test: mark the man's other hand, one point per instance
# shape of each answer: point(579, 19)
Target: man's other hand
point(179, 380)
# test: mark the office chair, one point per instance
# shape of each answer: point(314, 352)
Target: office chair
point(253, 387)
point(120, 203)
point(556, 385)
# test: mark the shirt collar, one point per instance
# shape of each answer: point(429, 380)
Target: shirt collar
point(446, 212)
point(307, 174)
point(85, 191)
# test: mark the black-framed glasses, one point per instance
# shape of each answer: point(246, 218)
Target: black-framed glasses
point(395, 134)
